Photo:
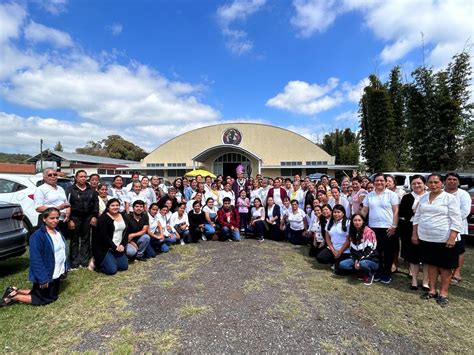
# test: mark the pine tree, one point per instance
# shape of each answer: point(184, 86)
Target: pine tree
point(58, 147)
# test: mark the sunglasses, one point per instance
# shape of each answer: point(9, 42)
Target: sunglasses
point(51, 175)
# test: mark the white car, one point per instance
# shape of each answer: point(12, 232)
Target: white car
point(20, 189)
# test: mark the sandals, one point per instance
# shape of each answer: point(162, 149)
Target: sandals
point(428, 296)
point(442, 301)
point(7, 298)
point(456, 280)
point(413, 288)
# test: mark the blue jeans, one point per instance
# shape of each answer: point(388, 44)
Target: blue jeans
point(258, 229)
point(209, 230)
point(142, 243)
point(163, 245)
point(368, 267)
point(113, 262)
point(297, 237)
point(226, 233)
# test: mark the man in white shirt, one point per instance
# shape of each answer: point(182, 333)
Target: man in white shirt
point(451, 182)
point(50, 194)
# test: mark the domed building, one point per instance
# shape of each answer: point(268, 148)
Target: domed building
point(260, 148)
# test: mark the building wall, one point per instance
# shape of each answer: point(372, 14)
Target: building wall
point(271, 144)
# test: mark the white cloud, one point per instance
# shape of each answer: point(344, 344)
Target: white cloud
point(238, 10)
point(348, 116)
point(446, 25)
point(12, 17)
point(115, 29)
point(314, 133)
point(355, 92)
point(308, 99)
point(54, 7)
point(313, 16)
point(36, 32)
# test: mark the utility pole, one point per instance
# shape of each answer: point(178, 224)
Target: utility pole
point(41, 154)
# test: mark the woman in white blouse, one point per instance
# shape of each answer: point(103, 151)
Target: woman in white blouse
point(257, 220)
point(298, 224)
point(436, 224)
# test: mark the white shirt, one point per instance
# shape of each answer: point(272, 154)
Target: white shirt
point(263, 195)
point(435, 220)
point(175, 219)
point(230, 194)
point(464, 200)
point(164, 221)
point(342, 201)
point(338, 236)
point(254, 194)
point(380, 208)
point(215, 196)
point(299, 196)
point(59, 254)
point(47, 195)
point(149, 195)
point(132, 196)
point(120, 195)
point(296, 219)
point(119, 227)
point(258, 213)
point(277, 196)
point(153, 222)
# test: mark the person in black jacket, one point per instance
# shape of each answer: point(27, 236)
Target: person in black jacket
point(110, 240)
point(84, 212)
point(197, 220)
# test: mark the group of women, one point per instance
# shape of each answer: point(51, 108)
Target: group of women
point(355, 226)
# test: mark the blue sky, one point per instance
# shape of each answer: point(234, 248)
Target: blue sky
point(80, 70)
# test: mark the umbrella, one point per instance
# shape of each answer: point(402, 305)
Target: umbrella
point(201, 172)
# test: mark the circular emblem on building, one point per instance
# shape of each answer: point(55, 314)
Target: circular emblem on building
point(232, 136)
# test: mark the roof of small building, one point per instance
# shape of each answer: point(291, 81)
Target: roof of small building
point(85, 158)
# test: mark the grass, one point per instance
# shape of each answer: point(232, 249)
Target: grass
point(191, 310)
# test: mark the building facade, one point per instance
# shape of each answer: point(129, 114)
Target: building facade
point(260, 148)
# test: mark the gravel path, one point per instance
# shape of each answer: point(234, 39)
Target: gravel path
point(247, 297)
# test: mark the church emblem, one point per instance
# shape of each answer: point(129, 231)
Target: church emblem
point(232, 136)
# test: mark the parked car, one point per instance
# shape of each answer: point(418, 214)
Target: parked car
point(470, 218)
point(12, 232)
point(21, 189)
point(402, 179)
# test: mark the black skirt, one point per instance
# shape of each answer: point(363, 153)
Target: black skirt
point(43, 296)
point(439, 255)
point(410, 252)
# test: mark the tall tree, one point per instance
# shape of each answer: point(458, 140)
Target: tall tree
point(344, 145)
point(377, 126)
point(113, 146)
point(58, 147)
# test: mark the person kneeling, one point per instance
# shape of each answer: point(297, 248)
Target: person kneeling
point(48, 263)
point(364, 255)
point(229, 220)
point(337, 239)
point(138, 240)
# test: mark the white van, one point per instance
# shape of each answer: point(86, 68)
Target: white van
point(402, 179)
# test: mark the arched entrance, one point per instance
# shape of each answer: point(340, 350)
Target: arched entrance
point(226, 164)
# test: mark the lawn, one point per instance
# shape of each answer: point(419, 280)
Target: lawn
point(90, 301)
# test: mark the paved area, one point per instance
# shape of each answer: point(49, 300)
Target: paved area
point(247, 297)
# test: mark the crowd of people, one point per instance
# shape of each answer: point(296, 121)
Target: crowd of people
point(356, 225)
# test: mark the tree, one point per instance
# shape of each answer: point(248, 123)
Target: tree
point(58, 147)
point(113, 146)
point(14, 158)
point(344, 145)
point(377, 126)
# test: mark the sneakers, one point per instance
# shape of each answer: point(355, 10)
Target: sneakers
point(182, 242)
point(260, 240)
point(368, 279)
point(377, 277)
point(203, 237)
point(385, 279)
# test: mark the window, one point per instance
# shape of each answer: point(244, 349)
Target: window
point(316, 162)
point(291, 163)
point(176, 172)
point(8, 186)
point(176, 164)
point(232, 158)
point(154, 165)
point(290, 172)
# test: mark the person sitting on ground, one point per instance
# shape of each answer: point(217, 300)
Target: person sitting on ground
point(180, 223)
point(272, 217)
point(315, 231)
point(48, 262)
point(364, 256)
point(137, 228)
point(171, 236)
point(337, 239)
point(110, 240)
point(229, 220)
point(257, 220)
point(189, 204)
point(155, 231)
point(197, 222)
point(210, 217)
point(298, 224)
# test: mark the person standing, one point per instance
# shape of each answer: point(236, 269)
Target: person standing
point(50, 194)
point(240, 183)
point(436, 225)
point(451, 183)
point(382, 207)
point(84, 212)
point(277, 192)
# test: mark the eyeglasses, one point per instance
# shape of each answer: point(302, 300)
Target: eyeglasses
point(51, 175)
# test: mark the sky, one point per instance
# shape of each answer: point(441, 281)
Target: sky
point(79, 70)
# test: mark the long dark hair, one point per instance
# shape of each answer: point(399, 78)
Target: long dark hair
point(354, 234)
point(341, 208)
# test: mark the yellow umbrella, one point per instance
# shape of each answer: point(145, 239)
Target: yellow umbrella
point(201, 172)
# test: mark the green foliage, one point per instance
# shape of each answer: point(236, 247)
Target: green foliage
point(14, 158)
point(425, 125)
point(113, 146)
point(344, 145)
point(58, 147)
